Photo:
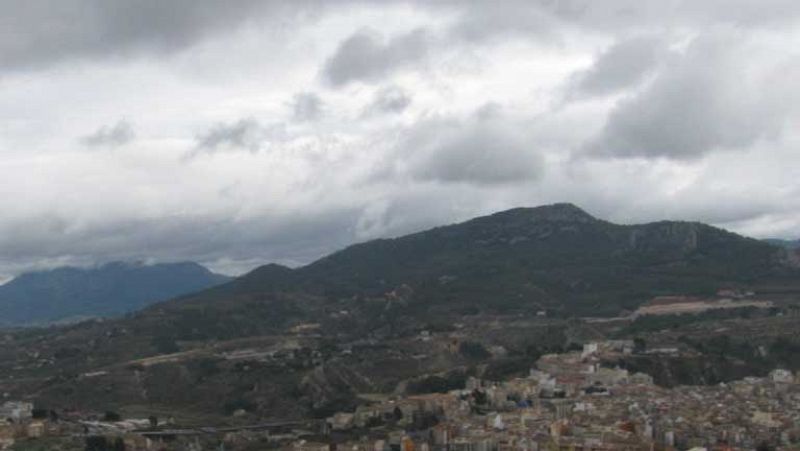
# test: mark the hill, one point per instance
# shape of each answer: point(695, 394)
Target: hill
point(555, 257)
point(70, 293)
point(389, 314)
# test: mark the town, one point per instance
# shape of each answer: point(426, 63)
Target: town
point(568, 401)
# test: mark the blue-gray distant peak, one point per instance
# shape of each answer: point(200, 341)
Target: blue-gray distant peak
point(69, 293)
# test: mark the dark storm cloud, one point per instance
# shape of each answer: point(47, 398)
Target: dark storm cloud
point(390, 99)
point(474, 151)
point(702, 100)
point(116, 135)
point(367, 57)
point(307, 107)
point(35, 33)
point(621, 66)
point(245, 134)
point(617, 15)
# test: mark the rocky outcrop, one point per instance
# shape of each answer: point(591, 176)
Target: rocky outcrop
point(679, 238)
point(333, 386)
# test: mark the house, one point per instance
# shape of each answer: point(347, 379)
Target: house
point(782, 376)
point(35, 429)
point(8, 435)
point(311, 446)
point(341, 421)
point(16, 411)
point(137, 442)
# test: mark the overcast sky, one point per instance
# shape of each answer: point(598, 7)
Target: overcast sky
point(239, 132)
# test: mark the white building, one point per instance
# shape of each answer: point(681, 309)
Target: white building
point(16, 411)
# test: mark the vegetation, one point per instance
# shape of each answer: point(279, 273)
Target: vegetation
point(49, 444)
point(99, 443)
point(453, 380)
point(357, 316)
point(473, 350)
point(651, 323)
point(523, 260)
point(501, 370)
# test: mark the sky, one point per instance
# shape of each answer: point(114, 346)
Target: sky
point(240, 132)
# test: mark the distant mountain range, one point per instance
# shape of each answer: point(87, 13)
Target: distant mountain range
point(789, 244)
point(67, 294)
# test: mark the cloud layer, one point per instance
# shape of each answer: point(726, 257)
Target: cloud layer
point(259, 131)
point(703, 100)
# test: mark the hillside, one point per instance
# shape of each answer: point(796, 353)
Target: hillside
point(555, 257)
point(69, 293)
point(293, 343)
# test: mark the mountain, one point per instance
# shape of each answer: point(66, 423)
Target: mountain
point(789, 244)
point(69, 293)
point(555, 257)
point(290, 343)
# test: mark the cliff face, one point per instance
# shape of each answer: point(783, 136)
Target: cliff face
point(671, 238)
point(332, 388)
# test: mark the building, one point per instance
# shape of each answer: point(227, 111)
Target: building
point(8, 434)
point(16, 411)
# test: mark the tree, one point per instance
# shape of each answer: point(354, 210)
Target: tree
point(398, 414)
point(165, 345)
point(479, 397)
point(474, 350)
point(119, 445)
point(96, 443)
point(639, 345)
point(111, 416)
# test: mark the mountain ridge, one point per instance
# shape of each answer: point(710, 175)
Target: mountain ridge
point(67, 293)
point(552, 256)
point(525, 274)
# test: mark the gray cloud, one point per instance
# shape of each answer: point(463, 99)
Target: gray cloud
point(320, 188)
point(391, 99)
point(245, 134)
point(365, 56)
point(703, 100)
point(475, 151)
point(208, 239)
point(307, 107)
point(116, 135)
point(481, 21)
point(36, 33)
point(616, 15)
point(623, 65)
